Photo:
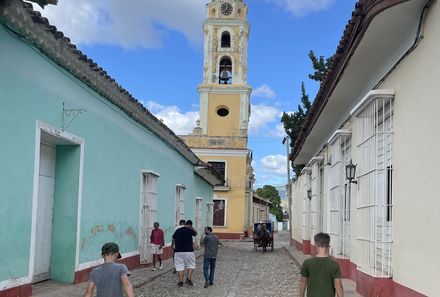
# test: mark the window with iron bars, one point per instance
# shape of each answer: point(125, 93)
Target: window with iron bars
point(374, 196)
point(340, 200)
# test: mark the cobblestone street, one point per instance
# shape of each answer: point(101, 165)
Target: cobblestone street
point(240, 272)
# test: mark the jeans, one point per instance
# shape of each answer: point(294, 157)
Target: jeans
point(209, 263)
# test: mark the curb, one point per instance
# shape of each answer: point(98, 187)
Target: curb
point(292, 257)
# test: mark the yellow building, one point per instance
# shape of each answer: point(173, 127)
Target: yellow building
point(221, 135)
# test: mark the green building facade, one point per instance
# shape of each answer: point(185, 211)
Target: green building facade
point(82, 161)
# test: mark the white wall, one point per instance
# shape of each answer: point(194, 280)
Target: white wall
point(297, 210)
point(416, 165)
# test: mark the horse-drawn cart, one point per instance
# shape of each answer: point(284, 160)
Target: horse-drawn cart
point(263, 235)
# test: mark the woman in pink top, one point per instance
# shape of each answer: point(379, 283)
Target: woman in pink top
point(157, 243)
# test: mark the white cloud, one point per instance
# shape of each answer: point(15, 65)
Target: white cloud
point(264, 91)
point(275, 164)
point(261, 117)
point(129, 24)
point(279, 130)
point(302, 7)
point(181, 123)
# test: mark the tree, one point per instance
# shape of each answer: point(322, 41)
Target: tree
point(321, 67)
point(271, 193)
point(294, 122)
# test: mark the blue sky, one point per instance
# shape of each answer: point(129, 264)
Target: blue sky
point(154, 49)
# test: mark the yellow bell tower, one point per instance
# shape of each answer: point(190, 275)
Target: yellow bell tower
point(224, 92)
point(221, 135)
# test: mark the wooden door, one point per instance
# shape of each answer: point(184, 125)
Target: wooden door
point(45, 199)
point(148, 214)
point(198, 223)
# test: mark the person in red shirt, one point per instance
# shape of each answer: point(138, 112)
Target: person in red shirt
point(157, 243)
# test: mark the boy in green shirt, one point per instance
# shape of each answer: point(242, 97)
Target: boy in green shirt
point(321, 274)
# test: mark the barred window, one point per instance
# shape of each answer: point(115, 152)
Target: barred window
point(374, 197)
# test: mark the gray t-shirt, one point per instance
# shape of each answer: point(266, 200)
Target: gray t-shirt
point(211, 246)
point(107, 278)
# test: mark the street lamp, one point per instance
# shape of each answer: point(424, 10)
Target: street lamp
point(350, 172)
point(309, 194)
point(286, 140)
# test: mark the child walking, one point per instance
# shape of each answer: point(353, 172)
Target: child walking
point(321, 274)
point(110, 278)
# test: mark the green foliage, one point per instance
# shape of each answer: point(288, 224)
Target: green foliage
point(294, 122)
point(321, 67)
point(271, 193)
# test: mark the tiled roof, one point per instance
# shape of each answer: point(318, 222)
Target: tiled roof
point(363, 13)
point(21, 18)
point(43, 3)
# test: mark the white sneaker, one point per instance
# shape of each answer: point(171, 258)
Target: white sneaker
point(161, 266)
point(154, 269)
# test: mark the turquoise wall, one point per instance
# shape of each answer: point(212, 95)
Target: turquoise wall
point(65, 213)
point(116, 150)
point(17, 169)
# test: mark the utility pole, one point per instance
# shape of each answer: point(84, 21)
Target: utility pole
point(289, 195)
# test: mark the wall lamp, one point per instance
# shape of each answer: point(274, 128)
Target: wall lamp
point(350, 172)
point(309, 194)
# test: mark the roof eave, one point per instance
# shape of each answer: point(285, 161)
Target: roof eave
point(365, 11)
point(58, 48)
point(209, 175)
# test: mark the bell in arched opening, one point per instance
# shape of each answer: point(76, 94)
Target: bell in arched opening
point(225, 72)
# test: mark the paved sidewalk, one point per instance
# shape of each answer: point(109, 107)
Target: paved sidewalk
point(138, 278)
point(299, 257)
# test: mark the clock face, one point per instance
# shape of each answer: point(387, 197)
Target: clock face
point(226, 8)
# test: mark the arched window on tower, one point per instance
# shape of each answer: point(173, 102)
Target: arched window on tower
point(225, 76)
point(226, 39)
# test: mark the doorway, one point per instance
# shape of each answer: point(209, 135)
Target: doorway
point(57, 188)
point(148, 214)
point(198, 223)
point(46, 191)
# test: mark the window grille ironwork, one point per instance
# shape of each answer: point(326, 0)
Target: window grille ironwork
point(374, 196)
point(340, 202)
point(179, 204)
point(219, 212)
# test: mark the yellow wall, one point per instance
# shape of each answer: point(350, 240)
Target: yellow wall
point(228, 125)
point(241, 11)
point(223, 133)
point(236, 175)
point(215, 142)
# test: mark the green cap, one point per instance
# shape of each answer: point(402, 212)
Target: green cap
point(110, 248)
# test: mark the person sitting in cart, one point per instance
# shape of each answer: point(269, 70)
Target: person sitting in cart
point(263, 236)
